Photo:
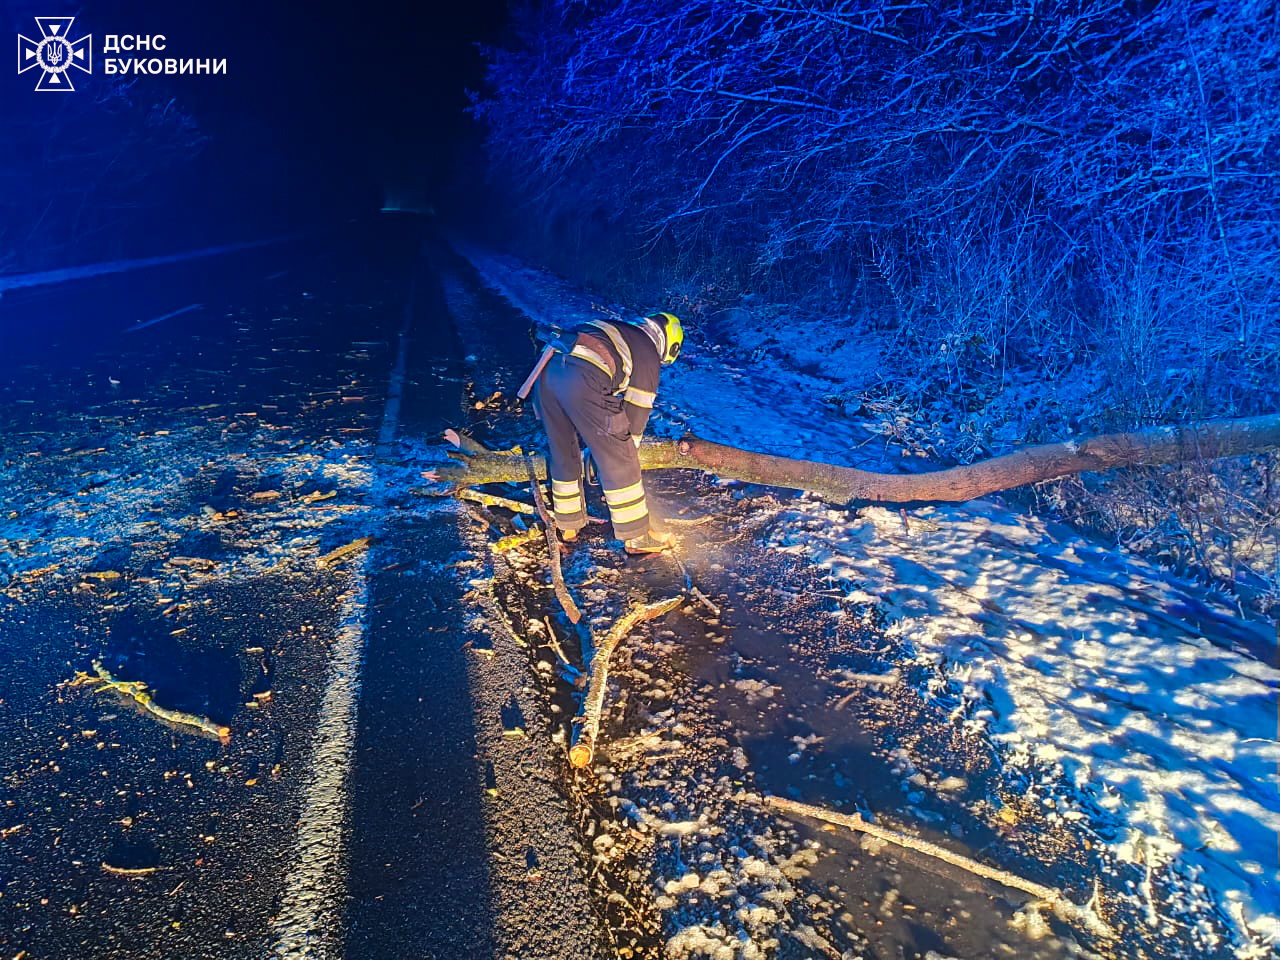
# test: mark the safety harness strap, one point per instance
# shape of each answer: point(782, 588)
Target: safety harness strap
point(619, 345)
point(584, 351)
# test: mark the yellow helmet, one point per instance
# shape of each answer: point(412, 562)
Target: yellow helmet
point(672, 333)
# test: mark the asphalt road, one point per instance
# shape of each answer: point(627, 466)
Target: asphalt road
point(170, 488)
point(212, 484)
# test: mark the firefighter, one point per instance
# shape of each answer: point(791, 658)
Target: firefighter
point(598, 383)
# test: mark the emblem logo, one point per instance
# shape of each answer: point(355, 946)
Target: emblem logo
point(55, 54)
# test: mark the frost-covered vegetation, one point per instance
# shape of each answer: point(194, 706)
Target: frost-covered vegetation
point(1033, 222)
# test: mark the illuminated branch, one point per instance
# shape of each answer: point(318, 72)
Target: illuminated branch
point(1156, 445)
point(1064, 908)
point(137, 692)
point(587, 723)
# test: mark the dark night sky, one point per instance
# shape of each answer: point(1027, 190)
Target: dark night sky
point(320, 101)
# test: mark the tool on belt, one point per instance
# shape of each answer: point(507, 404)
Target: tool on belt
point(586, 346)
point(547, 353)
point(552, 344)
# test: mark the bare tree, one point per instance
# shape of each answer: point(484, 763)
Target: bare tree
point(934, 139)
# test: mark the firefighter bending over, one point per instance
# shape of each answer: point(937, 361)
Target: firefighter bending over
point(598, 383)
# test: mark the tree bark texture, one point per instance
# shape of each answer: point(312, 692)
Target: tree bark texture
point(1204, 440)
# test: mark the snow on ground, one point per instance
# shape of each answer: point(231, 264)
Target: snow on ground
point(247, 472)
point(1136, 693)
point(136, 491)
point(1136, 708)
point(728, 393)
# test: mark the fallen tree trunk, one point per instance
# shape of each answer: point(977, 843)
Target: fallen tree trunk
point(1204, 440)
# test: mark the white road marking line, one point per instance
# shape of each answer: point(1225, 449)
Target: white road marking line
point(20, 280)
point(396, 387)
point(168, 316)
point(310, 922)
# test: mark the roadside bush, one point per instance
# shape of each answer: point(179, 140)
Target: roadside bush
point(1217, 521)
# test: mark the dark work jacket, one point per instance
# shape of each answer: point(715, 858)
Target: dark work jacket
point(646, 368)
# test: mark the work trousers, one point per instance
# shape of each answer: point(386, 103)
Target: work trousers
point(573, 399)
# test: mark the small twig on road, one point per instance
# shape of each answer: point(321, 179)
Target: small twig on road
point(688, 521)
point(333, 556)
point(688, 585)
point(129, 871)
point(137, 691)
point(515, 540)
point(684, 572)
point(489, 500)
point(705, 601)
point(554, 644)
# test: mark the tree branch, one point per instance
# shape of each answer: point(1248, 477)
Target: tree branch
point(1204, 440)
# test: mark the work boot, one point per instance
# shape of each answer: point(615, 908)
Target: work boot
point(650, 542)
point(568, 536)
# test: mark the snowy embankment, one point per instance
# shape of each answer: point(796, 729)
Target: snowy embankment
point(1140, 710)
point(1129, 697)
point(767, 406)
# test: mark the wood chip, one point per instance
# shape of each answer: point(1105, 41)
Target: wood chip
point(333, 556)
